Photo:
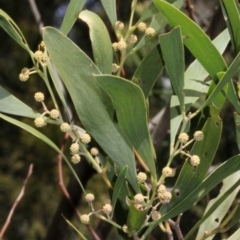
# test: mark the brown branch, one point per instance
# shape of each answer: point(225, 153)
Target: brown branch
point(8, 220)
point(176, 227)
point(189, 7)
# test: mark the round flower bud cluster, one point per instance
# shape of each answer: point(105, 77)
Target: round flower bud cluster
point(132, 39)
point(119, 25)
point(195, 160)
point(165, 197)
point(65, 127)
point(139, 198)
point(107, 208)
point(39, 97)
point(85, 219)
point(115, 67)
point(142, 26)
point(54, 113)
point(76, 158)
point(38, 55)
point(155, 215)
point(142, 177)
point(24, 75)
point(74, 148)
point(39, 122)
point(168, 172)
point(94, 151)
point(183, 137)
point(162, 188)
point(125, 228)
point(42, 44)
point(122, 45)
point(85, 138)
point(89, 197)
point(150, 32)
point(115, 46)
point(198, 135)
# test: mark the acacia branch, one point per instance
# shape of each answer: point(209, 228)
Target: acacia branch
point(20, 195)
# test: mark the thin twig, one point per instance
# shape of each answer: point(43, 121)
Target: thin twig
point(65, 191)
point(8, 220)
point(36, 15)
point(189, 8)
point(176, 227)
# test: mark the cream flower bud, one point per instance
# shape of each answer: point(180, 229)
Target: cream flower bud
point(119, 25)
point(155, 215)
point(74, 148)
point(54, 113)
point(115, 67)
point(142, 177)
point(138, 198)
point(94, 151)
point(38, 55)
point(76, 158)
point(125, 228)
point(65, 127)
point(165, 197)
point(85, 219)
point(195, 160)
point(161, 188)
point(168, 172)
point(142, 26)
point(85, 138)
point(132, 39)
point(183, 137)
point(39, 96)
point(39, 122)
point(198, 135)
point(89, 197)
point(122, 45)
point(24, 75)
point(107, 208)
point(115, 46)
point(150, 32)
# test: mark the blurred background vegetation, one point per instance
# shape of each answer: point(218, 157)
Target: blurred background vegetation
point(38, 215)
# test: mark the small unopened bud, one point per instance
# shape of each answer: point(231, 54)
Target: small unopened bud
point(142, 177)
point(115, 67)
point(125, 228)
point(74, 148)
point(194, 160)
point(38, 55)
point(183, 137)
point(107, 208)
point(165, 197)
point(76, 158)
point(138, 198)
point(161, 188)
point(155, 215)
point(115, 46)
point(142, 26)
point(150, 32)
point(54, 113)
point(122, 45)
point(39, 122)
point(39, 97)
point(198, 135)
point(89, 197)
point(24, 75)
point(85, 219)
point(65, 127)
point(119, 25)
point(85, 138)
point(132, 39)
point(168, 172)
point(94, 151)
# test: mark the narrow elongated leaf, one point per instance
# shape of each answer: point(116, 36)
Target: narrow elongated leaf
point(148, 71)
point(195, 39)
point(11, 28)
point(129, 102)
point(233, 20)
point(71, 15)
point(101, 43)
point(43, 138)
point(173, 55)
point(110, 8)
point(11, 105)
point(93, 106)
point(237, 128)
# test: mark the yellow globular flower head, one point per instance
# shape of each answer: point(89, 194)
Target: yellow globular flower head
point(165, 197)
point(115, 46)
point(38, 55)
point(198, 135)
point(115, 67)
point(39, 122)
point(150, 32)
point(195, 160)
point(54, 113)
point(76, 158)
point(85, 138)
point(89, 197)
point(85, 219)
point(94, 151)
point(24, 75)
point(155, 215)
point(142, 26)
point(132, 39)
point(139, 198)
point(74, 148)
point(183, 137)
point(142, 177)
point(65, 127)
point(162, 188)
point(122, 45)
point(119, 25)
point(107, 208)
point(125, 228)
point(168, 172)
point(39, 96)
